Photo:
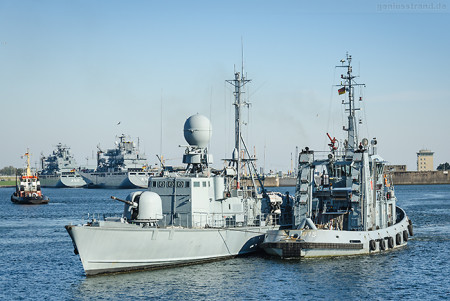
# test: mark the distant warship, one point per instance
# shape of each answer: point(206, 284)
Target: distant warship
point(187, 217)
point(120, 167)
point(59, 169)
point(344, 202)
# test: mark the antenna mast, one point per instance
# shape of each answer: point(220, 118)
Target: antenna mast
point(348, 86)
point(238, 82)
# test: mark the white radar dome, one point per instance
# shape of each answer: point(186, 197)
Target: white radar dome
point(197, 130)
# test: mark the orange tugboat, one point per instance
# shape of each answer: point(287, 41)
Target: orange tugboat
point(28, 190)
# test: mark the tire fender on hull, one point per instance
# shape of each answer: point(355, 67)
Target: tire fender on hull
point(410, 229)
point(382, 244)
point(372, 245)
point(405, 235)
point(390, 242)
point(398, 239)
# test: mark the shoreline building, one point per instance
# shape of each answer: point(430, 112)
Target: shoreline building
point(425, 160)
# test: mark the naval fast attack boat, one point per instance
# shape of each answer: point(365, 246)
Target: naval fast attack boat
point(344, 203)
point(59, 169)
point(186, 217)
point(120, 167)
point(28, 188)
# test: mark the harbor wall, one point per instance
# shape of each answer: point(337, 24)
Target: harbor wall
point(275, 181)
point(420, 177)
point(398, 177)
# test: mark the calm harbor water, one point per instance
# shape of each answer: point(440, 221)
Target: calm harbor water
point(37, 260)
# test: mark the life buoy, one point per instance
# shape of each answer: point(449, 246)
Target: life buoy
point(372, 245)
point(388, 195)
point(390, 242)
point(405, 235)
point(382, 244)
point(398, 239)
point(34, 195)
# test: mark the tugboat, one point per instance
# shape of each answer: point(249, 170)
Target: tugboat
point(187, 217)
point(28, 190)
point(344, 203)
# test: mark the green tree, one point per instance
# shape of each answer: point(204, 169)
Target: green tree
point(10, 171)
point(443, 166)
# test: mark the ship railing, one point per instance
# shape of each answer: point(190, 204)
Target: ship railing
point(201, 220)
point(205, 220)
point(101, 216)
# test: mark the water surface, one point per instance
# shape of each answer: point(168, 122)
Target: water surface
point(37, 260)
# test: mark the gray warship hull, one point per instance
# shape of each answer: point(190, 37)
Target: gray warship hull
point(62, 181)
point(116, 179)
point(137, 248)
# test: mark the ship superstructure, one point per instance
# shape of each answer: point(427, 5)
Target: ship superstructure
point(121, 167)
point(59, 169)
point(344, 202)
point(196, 215)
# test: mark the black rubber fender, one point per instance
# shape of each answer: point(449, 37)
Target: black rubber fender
point(382, 245)
point(398, 239)
point(410, 230)
point(405, 235)
point(372, 245)
point(390, 242)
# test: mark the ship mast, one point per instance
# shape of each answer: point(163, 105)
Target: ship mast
point(238, 82)
point(348, 85)
point(28, 163)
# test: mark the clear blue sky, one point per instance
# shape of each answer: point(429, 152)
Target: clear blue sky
point(71, 70)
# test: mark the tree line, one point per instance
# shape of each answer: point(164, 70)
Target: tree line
point(443, 166)
point(10, 171)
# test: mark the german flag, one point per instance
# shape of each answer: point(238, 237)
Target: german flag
point(341, 91)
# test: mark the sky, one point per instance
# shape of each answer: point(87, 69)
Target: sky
point(70, 71)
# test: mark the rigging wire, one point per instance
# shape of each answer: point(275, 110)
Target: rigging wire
point(366, 123)
point(226, 136)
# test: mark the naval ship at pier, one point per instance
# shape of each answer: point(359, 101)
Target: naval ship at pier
point(59, 169)
point(187, 217)
point(121, 167)
point(345, 203)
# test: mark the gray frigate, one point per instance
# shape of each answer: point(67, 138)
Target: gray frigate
point(59, 169)
point(191, 216)
point(120, 167)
